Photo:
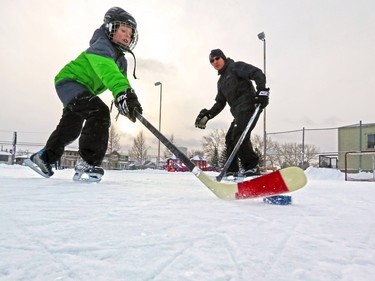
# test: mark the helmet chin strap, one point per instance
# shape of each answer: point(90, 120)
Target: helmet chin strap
point(124, 48)
point(135, 63)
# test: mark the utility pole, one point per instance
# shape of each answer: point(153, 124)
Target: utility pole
point(161, 94)
point(262, 37)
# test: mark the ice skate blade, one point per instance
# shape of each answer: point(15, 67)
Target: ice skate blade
point(87, 177)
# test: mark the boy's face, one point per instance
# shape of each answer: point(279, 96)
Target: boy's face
point(123, 35)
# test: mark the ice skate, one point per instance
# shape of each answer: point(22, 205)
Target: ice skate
point(86, 172)
point(39, 165)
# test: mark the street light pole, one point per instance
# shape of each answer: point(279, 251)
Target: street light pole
point(262, 37)
point(161, 94)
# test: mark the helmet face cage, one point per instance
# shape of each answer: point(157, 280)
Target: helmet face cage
point(111, 28)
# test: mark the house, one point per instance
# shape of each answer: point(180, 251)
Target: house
point(69, 158)
point(200, 162)
point(111, 161)
point(20, 158)
point(174, 164)
point(359, 138)
point(115, 161)
point(5, 157)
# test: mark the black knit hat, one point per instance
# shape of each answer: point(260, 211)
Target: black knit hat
point(217, 53)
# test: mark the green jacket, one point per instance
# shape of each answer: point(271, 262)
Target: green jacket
point(102, 66)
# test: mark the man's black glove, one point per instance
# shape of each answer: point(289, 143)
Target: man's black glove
point(202, 119)
point(127, 102)
point(262, 97)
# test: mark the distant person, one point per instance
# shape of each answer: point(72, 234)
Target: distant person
point(235, 87)
point(102, 66)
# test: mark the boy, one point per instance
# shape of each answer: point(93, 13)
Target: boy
point(102, 66)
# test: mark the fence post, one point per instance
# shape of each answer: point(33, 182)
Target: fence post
point(303, 147)
point(360, 144)
point(14, 147)
point(265, 148)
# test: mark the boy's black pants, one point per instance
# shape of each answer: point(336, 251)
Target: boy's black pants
point(88, 118)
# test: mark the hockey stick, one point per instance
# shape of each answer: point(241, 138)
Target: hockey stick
point(282, 181)
point(238, 144)
point(166, 142)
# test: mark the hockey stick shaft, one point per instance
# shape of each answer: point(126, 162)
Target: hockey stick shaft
point(190, 165)
point(238, 144)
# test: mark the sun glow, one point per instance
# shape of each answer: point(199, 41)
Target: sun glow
point(125, 127)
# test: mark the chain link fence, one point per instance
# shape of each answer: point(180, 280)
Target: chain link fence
point(308, 146)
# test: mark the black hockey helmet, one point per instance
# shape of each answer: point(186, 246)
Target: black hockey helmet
point(115, 17)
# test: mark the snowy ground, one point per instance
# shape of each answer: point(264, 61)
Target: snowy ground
point(155, 225)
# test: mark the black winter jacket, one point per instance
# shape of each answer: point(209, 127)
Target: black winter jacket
point(236, 88)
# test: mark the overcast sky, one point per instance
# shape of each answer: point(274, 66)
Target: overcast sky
point(320, 61)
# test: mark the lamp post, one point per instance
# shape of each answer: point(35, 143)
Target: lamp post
point(262, 37)
point(161, 94)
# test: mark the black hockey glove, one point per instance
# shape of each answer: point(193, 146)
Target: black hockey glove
point(202, 119)
point(127, 102)
point(262, 97)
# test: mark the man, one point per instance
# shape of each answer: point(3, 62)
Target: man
point(235, 87)
point(102, 66)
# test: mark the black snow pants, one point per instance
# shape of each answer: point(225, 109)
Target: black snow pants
point(249, 159)
point(88, 118)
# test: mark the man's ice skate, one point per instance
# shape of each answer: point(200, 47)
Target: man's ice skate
point(242, 175)
point(253, 172)
point(40, 165)
point(87, 172)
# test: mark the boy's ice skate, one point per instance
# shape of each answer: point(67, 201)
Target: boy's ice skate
point(39, 165)
point(87, 172)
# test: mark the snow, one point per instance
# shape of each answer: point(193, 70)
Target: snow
point(156, 225)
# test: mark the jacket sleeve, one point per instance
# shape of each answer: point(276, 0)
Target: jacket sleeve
point(248, 71)
point(219, 105)
point(109, 73)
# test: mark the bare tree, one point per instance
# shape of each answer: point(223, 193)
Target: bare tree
point(311, 152)
point(257, 143)
point(290, 154)
point(258, 146)
point(113, 140)
point(139, 150)
point(195, 152)
point(23, 152)
point(213, 145)
point(167, 153)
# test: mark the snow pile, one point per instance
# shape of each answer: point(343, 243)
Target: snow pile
point(324, 174)
point(333, 174)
